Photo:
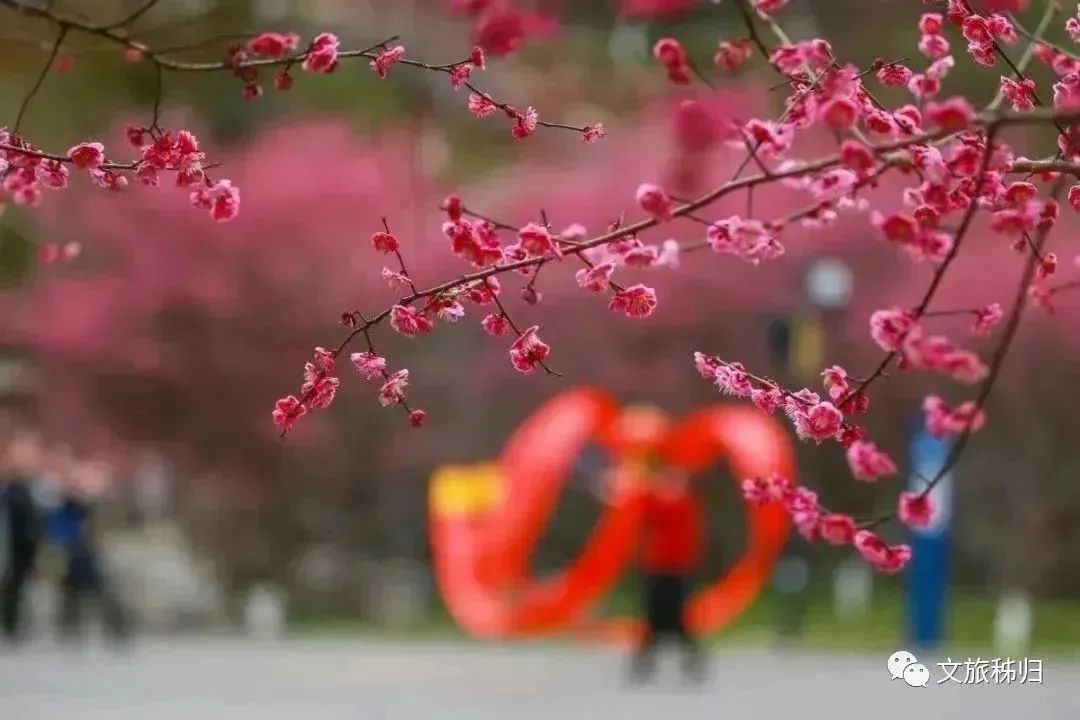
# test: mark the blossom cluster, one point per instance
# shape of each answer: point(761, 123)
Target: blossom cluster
point(320, 386)
point(816, 523)
point(27, 171)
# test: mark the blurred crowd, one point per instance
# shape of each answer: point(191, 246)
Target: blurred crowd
point(47, 499)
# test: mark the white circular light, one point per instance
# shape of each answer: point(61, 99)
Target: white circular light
point(829, 282)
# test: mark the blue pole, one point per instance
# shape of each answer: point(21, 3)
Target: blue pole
point(928, 572)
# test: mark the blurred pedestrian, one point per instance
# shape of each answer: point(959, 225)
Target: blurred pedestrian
point(671, 551)
point(84, 581)
point(19, 526)
point(671, 539)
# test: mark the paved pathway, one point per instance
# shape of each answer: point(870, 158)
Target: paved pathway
point(224, 679)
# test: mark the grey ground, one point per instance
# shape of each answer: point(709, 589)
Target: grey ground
point(233, 679)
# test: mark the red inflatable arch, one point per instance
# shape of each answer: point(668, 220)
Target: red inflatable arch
point(486, 519)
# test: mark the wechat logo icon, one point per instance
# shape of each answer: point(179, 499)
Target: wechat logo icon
point(905, 666)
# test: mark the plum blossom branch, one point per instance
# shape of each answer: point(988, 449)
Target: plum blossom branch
point(400, 258)
point(943, 267)
point(34, 153)
point(1019, 73)
point(751, 29)
point(1020, 302)
point(381, 61)
point(25, 169)
point(518, 332)
point(1028, 55)
point(712, 196)
point(35, 169)
point(528, 351)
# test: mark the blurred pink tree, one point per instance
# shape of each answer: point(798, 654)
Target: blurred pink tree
point(873, 149)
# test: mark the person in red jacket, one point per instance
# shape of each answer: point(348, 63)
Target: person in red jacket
point(671, 550)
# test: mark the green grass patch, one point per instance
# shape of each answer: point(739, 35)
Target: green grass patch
point(882, 628)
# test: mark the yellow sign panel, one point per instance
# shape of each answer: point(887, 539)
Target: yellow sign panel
point(462, 490)
point(807, 347)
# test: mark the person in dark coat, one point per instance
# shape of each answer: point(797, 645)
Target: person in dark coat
point(20, 527)
point(70, 527)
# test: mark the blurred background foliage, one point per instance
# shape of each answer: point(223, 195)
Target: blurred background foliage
point(174, 336)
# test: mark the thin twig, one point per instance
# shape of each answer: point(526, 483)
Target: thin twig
point(41, 76)
point(133, 16)
point(159, 94)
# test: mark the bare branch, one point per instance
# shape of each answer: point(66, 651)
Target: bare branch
point(133, 16)
point(41, 76)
